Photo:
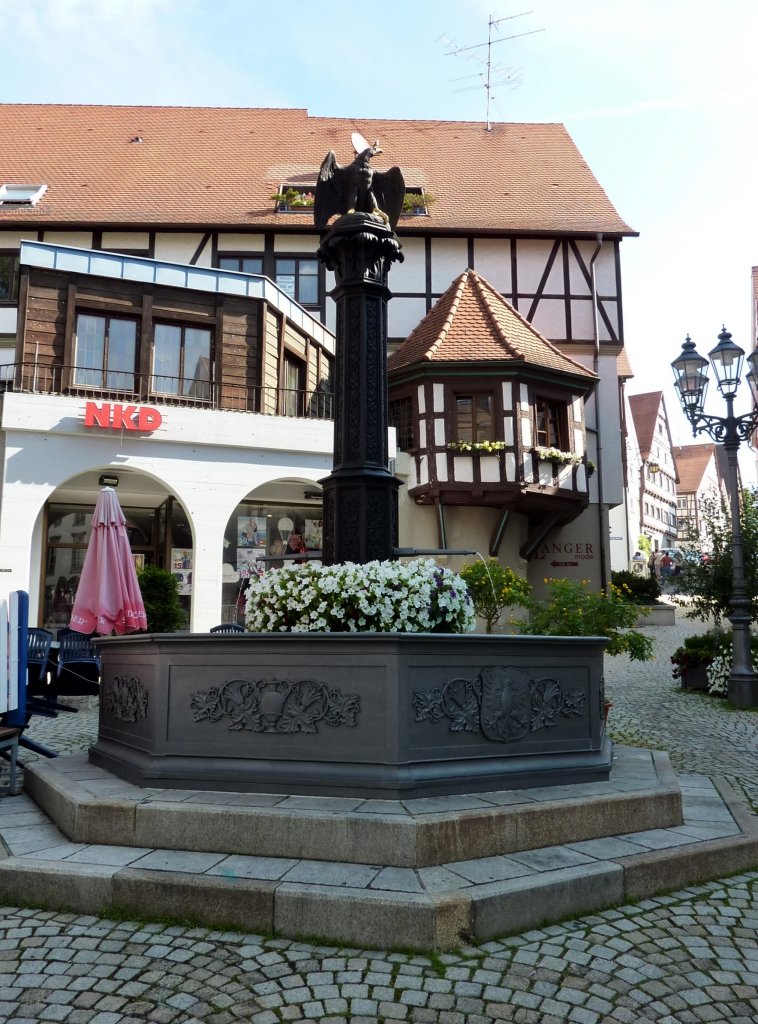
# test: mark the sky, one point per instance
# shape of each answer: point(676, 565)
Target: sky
point(660, 96)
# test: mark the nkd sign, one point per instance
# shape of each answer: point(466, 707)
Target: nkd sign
point(114, 416)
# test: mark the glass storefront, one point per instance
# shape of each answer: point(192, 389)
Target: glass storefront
point(255, 535)
point(157, 536)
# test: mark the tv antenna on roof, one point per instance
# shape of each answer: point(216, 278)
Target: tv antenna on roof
point(470, 51)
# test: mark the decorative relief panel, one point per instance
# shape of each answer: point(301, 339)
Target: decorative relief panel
point(275, 706)
point(504, 704)
point(126, 698)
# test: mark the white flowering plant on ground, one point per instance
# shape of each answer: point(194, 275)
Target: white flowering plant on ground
point(382, 597)
point(720, 668)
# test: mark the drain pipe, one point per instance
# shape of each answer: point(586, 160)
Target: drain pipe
point(602, 514)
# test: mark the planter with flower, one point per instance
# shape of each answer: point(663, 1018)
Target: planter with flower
point(293, 199)
point(476, 447)
point(417, 203)
point(361, 680)
point(551, 462)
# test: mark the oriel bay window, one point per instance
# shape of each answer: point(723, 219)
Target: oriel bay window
point(474, 419)
point(105, 352)
point(182, 361)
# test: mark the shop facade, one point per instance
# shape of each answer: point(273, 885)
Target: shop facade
point(216, 475)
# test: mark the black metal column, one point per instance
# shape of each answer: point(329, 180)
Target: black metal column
point(360, 494)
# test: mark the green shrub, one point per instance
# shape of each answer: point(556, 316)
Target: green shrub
point(493, 588)
point(699, 649)
point(160, 595)
point(709, 583)
point(643, 589)
point(571, 609)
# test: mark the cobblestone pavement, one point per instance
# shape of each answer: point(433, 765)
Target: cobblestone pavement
point(700, 734)
point(685, 958)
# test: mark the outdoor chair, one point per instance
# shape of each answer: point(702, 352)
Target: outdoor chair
point(9, 739)
point(38, 660)
point(78, 671)
point(228, 627)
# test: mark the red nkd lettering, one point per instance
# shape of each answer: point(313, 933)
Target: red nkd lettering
point(122, 417)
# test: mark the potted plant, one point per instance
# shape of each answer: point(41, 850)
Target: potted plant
point(292, 199)
point(160, 595)
point(417, 203)
point(690, 661)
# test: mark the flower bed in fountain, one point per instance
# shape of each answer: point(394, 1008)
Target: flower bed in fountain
point(357, 685)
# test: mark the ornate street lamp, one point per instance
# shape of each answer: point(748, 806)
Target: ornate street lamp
point(691, 381)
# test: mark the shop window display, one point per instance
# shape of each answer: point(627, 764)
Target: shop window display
point(255, 536)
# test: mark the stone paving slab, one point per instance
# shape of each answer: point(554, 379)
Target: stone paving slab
point(91, 807)
point(442, 905)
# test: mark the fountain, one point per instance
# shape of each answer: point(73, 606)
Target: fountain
point(355, 714)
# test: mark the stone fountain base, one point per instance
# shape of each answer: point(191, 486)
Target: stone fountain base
point(370, 715)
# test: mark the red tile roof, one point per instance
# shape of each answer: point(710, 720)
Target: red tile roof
point(691, 463)
point(215, 167)
point(472, 321)
point(644, 413)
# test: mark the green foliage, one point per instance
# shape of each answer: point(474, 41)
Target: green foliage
point(699, 649)
point(160, 594)
point(644, 544)
point(642, 589)
point(571, 609)
point(493, 588)
point(709, 583)
point(293, 197)
point(413, 201)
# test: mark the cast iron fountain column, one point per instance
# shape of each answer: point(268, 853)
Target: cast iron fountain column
point(360, 494)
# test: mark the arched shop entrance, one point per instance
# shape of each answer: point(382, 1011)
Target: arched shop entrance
point(277, 516)
point(157, 525)
point(162, 532)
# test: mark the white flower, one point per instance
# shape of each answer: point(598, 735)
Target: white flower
point(379, 596)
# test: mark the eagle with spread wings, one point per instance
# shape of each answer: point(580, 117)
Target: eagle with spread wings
point(358, 188)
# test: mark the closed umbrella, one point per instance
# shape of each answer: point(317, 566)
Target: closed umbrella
point(108, 597)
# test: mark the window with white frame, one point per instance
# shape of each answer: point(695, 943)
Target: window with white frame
point(21, 195)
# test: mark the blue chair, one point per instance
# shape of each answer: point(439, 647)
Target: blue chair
point(38, 657)
point(78, 672)
point(228, 627)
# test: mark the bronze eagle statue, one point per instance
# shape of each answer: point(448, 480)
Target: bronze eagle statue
point(358, 188)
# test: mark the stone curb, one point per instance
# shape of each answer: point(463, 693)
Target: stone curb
point(375, 917)
point(437, 838)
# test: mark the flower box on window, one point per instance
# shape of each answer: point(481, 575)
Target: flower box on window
point(293, 200)
point(476, 447)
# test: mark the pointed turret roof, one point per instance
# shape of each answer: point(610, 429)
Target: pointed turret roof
point(472, 322)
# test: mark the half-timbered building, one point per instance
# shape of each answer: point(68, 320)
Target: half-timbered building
point(189, 194)
point(658, 478)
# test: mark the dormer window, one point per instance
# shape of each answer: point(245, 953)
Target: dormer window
point(416, 202)
point(294, 198)
point(21, 195)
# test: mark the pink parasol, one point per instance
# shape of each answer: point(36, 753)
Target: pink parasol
point(108, 597)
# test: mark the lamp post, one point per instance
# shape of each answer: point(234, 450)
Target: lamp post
point(691, 381)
